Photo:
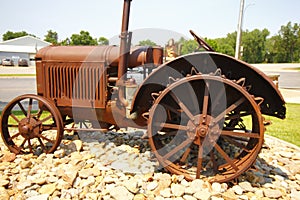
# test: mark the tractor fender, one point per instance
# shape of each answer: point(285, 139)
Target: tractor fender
point(208, 62)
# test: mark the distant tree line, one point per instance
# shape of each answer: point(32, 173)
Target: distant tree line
point(256, 46)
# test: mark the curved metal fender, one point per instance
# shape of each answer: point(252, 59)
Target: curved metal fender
point(209, 62)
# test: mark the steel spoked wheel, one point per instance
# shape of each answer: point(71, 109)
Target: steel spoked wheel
point(206, 126)
point(31, 124)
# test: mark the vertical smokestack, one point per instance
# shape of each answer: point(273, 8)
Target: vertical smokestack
point(124, 51)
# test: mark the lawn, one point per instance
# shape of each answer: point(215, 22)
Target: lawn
point(289, 128)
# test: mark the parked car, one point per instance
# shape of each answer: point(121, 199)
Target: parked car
point(7, 62)
point(23, 62)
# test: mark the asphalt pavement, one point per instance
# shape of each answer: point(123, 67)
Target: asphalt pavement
point(12, 86)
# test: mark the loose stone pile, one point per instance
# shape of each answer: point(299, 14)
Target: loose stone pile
point(120, 166)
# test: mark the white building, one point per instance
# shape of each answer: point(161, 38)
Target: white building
point(22, 47)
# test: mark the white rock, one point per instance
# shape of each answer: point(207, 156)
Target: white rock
point(246, 186)
point(295, 194)
point(120, 192)
point(152, 185)
point(166, 193)
point(39, 197)
point(177, 190)
point(272, 193)
point(203, 195)
point(196, 185)
point(189, 197)
point(216, 188)
point(131, 185)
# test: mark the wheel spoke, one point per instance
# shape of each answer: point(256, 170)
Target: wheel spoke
point(42, 144)
point(45, 138)
point(170, 108)
point(212, 158)
point(183, 107)
point(185, 155)
point(22, 109)
point(14, 117)
point(13, 137)
point(229, 109)
point(21, 146)
point(200, 159)
point(240, 134)
point(29, 109)
point(172, 126)
point(177, 149)
point(236, 143)
point(39, 114)
point(30, 146)
point(43, 120)
point(226, 157)
point(12, 126)
point(238, 116)
point(205, 104)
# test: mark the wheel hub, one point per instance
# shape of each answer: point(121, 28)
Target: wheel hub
point(199, 131)
point(27, 128)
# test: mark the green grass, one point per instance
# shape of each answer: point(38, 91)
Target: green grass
point(298, 68)
point(287, 129)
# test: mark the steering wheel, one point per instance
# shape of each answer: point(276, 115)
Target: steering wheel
point(201, 42)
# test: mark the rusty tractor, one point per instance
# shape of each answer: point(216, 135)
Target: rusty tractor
point(203, 112)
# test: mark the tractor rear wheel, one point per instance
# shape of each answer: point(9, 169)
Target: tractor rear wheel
point(206, 126)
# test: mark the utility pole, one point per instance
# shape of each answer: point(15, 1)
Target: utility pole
point(239, 31)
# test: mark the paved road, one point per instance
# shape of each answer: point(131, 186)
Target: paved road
point(11, 87)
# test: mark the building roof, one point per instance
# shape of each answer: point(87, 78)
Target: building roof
point(26, 41)
point(25, 44)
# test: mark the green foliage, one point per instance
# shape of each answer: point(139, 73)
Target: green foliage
point(223, 46)
point(254, 45)
point(51, 37)
point(103, 41)
point(285, 47)
point(82, 39)
point(12, 35)
point(147, 43)
point(188, 46)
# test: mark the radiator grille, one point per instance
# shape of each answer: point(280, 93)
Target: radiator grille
point(77, 83)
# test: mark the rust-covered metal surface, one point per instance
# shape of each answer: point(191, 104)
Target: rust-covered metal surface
point(208, 62)
point(78, 76)
point(202, 111)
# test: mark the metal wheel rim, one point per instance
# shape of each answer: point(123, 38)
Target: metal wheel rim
point(32, 127)
point(246, 159)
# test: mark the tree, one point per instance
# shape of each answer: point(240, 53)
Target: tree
point(103, 41)
point(223, 46)
point(254, 46)
point(51, 37)
point(147, 43)
point(82, 39)
point(189, 46)
point(12, 35)
point(285, 46)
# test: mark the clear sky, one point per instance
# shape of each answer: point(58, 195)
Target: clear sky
point(208, 18)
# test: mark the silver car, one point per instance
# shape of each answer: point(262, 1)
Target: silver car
point(7, 62)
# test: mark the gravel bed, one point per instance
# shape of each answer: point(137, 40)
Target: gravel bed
point(116, 165)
